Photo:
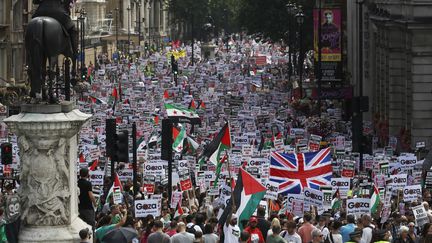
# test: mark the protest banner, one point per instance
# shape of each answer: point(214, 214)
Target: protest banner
point(298, 208)
point(412, 193)
point(117, 196)
point(272, 190)
point(343, 184)
point(313, 197)
point(97, 177)
point(358, 206)
point(398, 181)
point(420, 215)
point(147, 207)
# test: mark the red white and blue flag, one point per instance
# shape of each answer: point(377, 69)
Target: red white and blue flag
point(294, 172)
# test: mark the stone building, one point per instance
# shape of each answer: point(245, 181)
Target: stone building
point(397, 64)
point(14, 14)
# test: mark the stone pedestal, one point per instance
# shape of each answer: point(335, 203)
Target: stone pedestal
point(47, 140)
point(208, 51)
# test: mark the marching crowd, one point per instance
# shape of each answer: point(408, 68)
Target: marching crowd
point(265, 110)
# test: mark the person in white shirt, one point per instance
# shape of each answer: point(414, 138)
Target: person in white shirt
point(334, 235)
point(290, 234)
point(367, 229)
point(231, 230)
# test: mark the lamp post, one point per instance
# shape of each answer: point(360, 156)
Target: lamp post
point(291, 8)
point(300, 20)
point(138, 4)
point(128, 46)
point(116, 24)
point(193, 38)
point(82, 21)
point(319, 56)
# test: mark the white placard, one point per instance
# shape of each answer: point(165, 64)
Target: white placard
point(97, 177)
point(176, 198)
point(313, 197)
point(272, 190)
point(343, 184)
point(412, 193)
point(398, 181)
point(358, 206)
point(125, 174)
point(147, 207)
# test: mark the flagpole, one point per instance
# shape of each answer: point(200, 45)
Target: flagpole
point(229, 174)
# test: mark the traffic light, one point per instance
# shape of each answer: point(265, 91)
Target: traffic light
point(110, 139)
point(84, 74)
point(146, 46)
point(175, 67)
point(6, 153)
point(122, 147)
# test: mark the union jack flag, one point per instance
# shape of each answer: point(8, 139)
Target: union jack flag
point(294, 172)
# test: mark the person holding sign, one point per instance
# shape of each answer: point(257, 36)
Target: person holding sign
point(105, 226)
point(87, 201)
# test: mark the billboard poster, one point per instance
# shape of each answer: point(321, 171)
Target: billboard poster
point(331, 48)
point(331, 43)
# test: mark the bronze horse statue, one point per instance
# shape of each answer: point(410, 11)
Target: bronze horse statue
point(45, 40)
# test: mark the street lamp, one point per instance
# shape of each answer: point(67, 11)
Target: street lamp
point(300, 20)
point(116, 24)
point(291, 8)
point(138, 4)
point(81, 18)
point(128, 47)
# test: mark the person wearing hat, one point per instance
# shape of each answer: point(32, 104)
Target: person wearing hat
point(403, 236)
point(255, 233)
point(85, 235)
point(355, 236)
point(231, 229)
point(349, 228)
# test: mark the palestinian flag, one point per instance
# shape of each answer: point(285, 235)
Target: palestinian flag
point(192, 145)
point(202, 105)
point(336, 201)
point(192, 105)
point(114, 95)
point(248, 193)
point(179, 137)
point(181, 115)
point(166, 94)
point(375, 200)
point(95, 100)
point(82, 158)
point(94, 165)
point(219, 144)
point(156, 120)
point(117, 183)
point(179, 211)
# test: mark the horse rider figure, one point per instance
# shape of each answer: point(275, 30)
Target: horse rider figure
point(60, 11)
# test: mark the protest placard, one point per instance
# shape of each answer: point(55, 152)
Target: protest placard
point(412, 193)
point(97, 177)
point(358, 206)
point(272, 190)
point(147, 207)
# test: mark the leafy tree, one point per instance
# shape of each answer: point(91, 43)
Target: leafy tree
point(271, 18)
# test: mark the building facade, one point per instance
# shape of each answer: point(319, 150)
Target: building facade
point(14, 14)
point(397, 66)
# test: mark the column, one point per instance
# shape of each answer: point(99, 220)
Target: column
point(47, 140)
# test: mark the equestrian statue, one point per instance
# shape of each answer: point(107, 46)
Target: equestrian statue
point(50, 33)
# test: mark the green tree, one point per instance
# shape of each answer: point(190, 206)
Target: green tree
point(271, 18)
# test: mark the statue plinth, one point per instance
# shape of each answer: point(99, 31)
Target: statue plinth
point(208, 50)
point(47, 140)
